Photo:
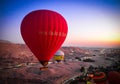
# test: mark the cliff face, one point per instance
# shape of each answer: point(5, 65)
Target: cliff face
point(15, 53)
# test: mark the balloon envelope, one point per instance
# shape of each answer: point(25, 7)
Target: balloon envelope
point(99, 78)
point(114, 77)
point(44, 31)
point(59, 55)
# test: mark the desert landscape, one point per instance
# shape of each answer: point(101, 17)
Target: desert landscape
point(19, 66)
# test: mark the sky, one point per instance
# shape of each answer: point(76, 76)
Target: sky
point(91, 23)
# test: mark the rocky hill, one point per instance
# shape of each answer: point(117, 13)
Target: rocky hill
point(18, 65)
point(20, 53)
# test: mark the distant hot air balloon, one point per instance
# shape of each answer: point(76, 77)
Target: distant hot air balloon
point(59, 56)
point(44, 31)
point(99, 78)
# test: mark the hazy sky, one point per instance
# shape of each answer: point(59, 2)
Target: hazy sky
point(93, 23)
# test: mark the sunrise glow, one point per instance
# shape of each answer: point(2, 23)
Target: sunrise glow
point(90, 24)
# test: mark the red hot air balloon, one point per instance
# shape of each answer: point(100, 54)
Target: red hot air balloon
point(44, 31)
point(114, 77)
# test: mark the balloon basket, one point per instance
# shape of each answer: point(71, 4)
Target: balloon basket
point(43, 68)
point(59, 62)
